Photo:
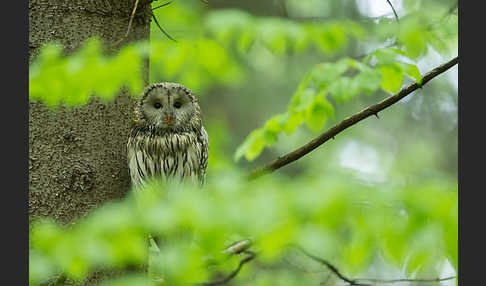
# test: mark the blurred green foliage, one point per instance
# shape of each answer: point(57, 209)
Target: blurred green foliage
point(385, 190)
point(408, 225)
point(55, 79)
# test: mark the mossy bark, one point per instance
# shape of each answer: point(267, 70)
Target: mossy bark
point(77, 156)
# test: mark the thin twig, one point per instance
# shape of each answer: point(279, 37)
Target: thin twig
point(162, 29)
point(350, 121)
point(162, 5)
point(224, 280)
point(394, 12)
point(405, 280)
point(132, 15)
point(330, 267)
point(131, 18)
point(302, 269)
point(372, 280)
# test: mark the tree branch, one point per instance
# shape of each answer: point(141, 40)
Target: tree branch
point(162, 5)
point(350, 121)
point(162, 29)
point(355, 282)
point(250, 256)
point(131, 17)
point(405, 280)
point(330, 267)
point(394, 12)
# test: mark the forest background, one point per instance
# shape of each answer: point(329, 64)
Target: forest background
point(378, 200)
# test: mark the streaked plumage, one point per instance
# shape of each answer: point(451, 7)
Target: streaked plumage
point(168, 140)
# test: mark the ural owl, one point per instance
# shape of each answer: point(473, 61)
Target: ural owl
point(168, 140)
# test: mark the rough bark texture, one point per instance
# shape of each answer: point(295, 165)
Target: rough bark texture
point(77, 157)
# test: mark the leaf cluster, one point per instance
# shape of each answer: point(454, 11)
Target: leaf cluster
point(411, 226)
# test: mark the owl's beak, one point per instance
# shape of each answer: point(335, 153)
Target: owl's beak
point(169, 118)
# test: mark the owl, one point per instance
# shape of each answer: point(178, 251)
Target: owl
point(168, 140)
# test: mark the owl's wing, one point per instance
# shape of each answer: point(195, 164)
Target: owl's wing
point(132, 167)
point(204, 141)
point(136, 169)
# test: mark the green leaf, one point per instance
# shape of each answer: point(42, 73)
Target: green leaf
point(325, 74)
point(77, 268)
point(412, 71)
point(416, 261)
point(302, 100)
point(225, 25)
point(269, 137)
point(318, 113)
point(40, 267)
point(344, 89)
point(369, 80)
point(270, 131)
point(293, 121)
point(274, 36)
point(256, 147)
point(385, 56)
point(275, 124)
point(252, 146)
point(246, 39)
point(392, 78)
point(415, 43)
point(331, 39)
point(358, 253)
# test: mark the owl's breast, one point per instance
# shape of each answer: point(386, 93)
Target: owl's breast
point(169, 157)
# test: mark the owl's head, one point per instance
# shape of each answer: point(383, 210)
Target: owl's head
point(169, 107)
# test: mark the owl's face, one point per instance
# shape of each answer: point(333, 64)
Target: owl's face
point(169, 107)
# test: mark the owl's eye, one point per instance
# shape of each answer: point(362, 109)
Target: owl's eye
point(157, 105)
point(177, 104)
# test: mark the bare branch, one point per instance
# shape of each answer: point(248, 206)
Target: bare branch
point(405, 280)
point(330, 267)
point(350, 121)
point(357, 281)
point(162, 5)
point(162, 29)
point(250, 256)
point(394, 12)
point(131, 18)
point(132, 15)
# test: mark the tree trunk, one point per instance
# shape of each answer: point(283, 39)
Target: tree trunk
point(77, 157)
